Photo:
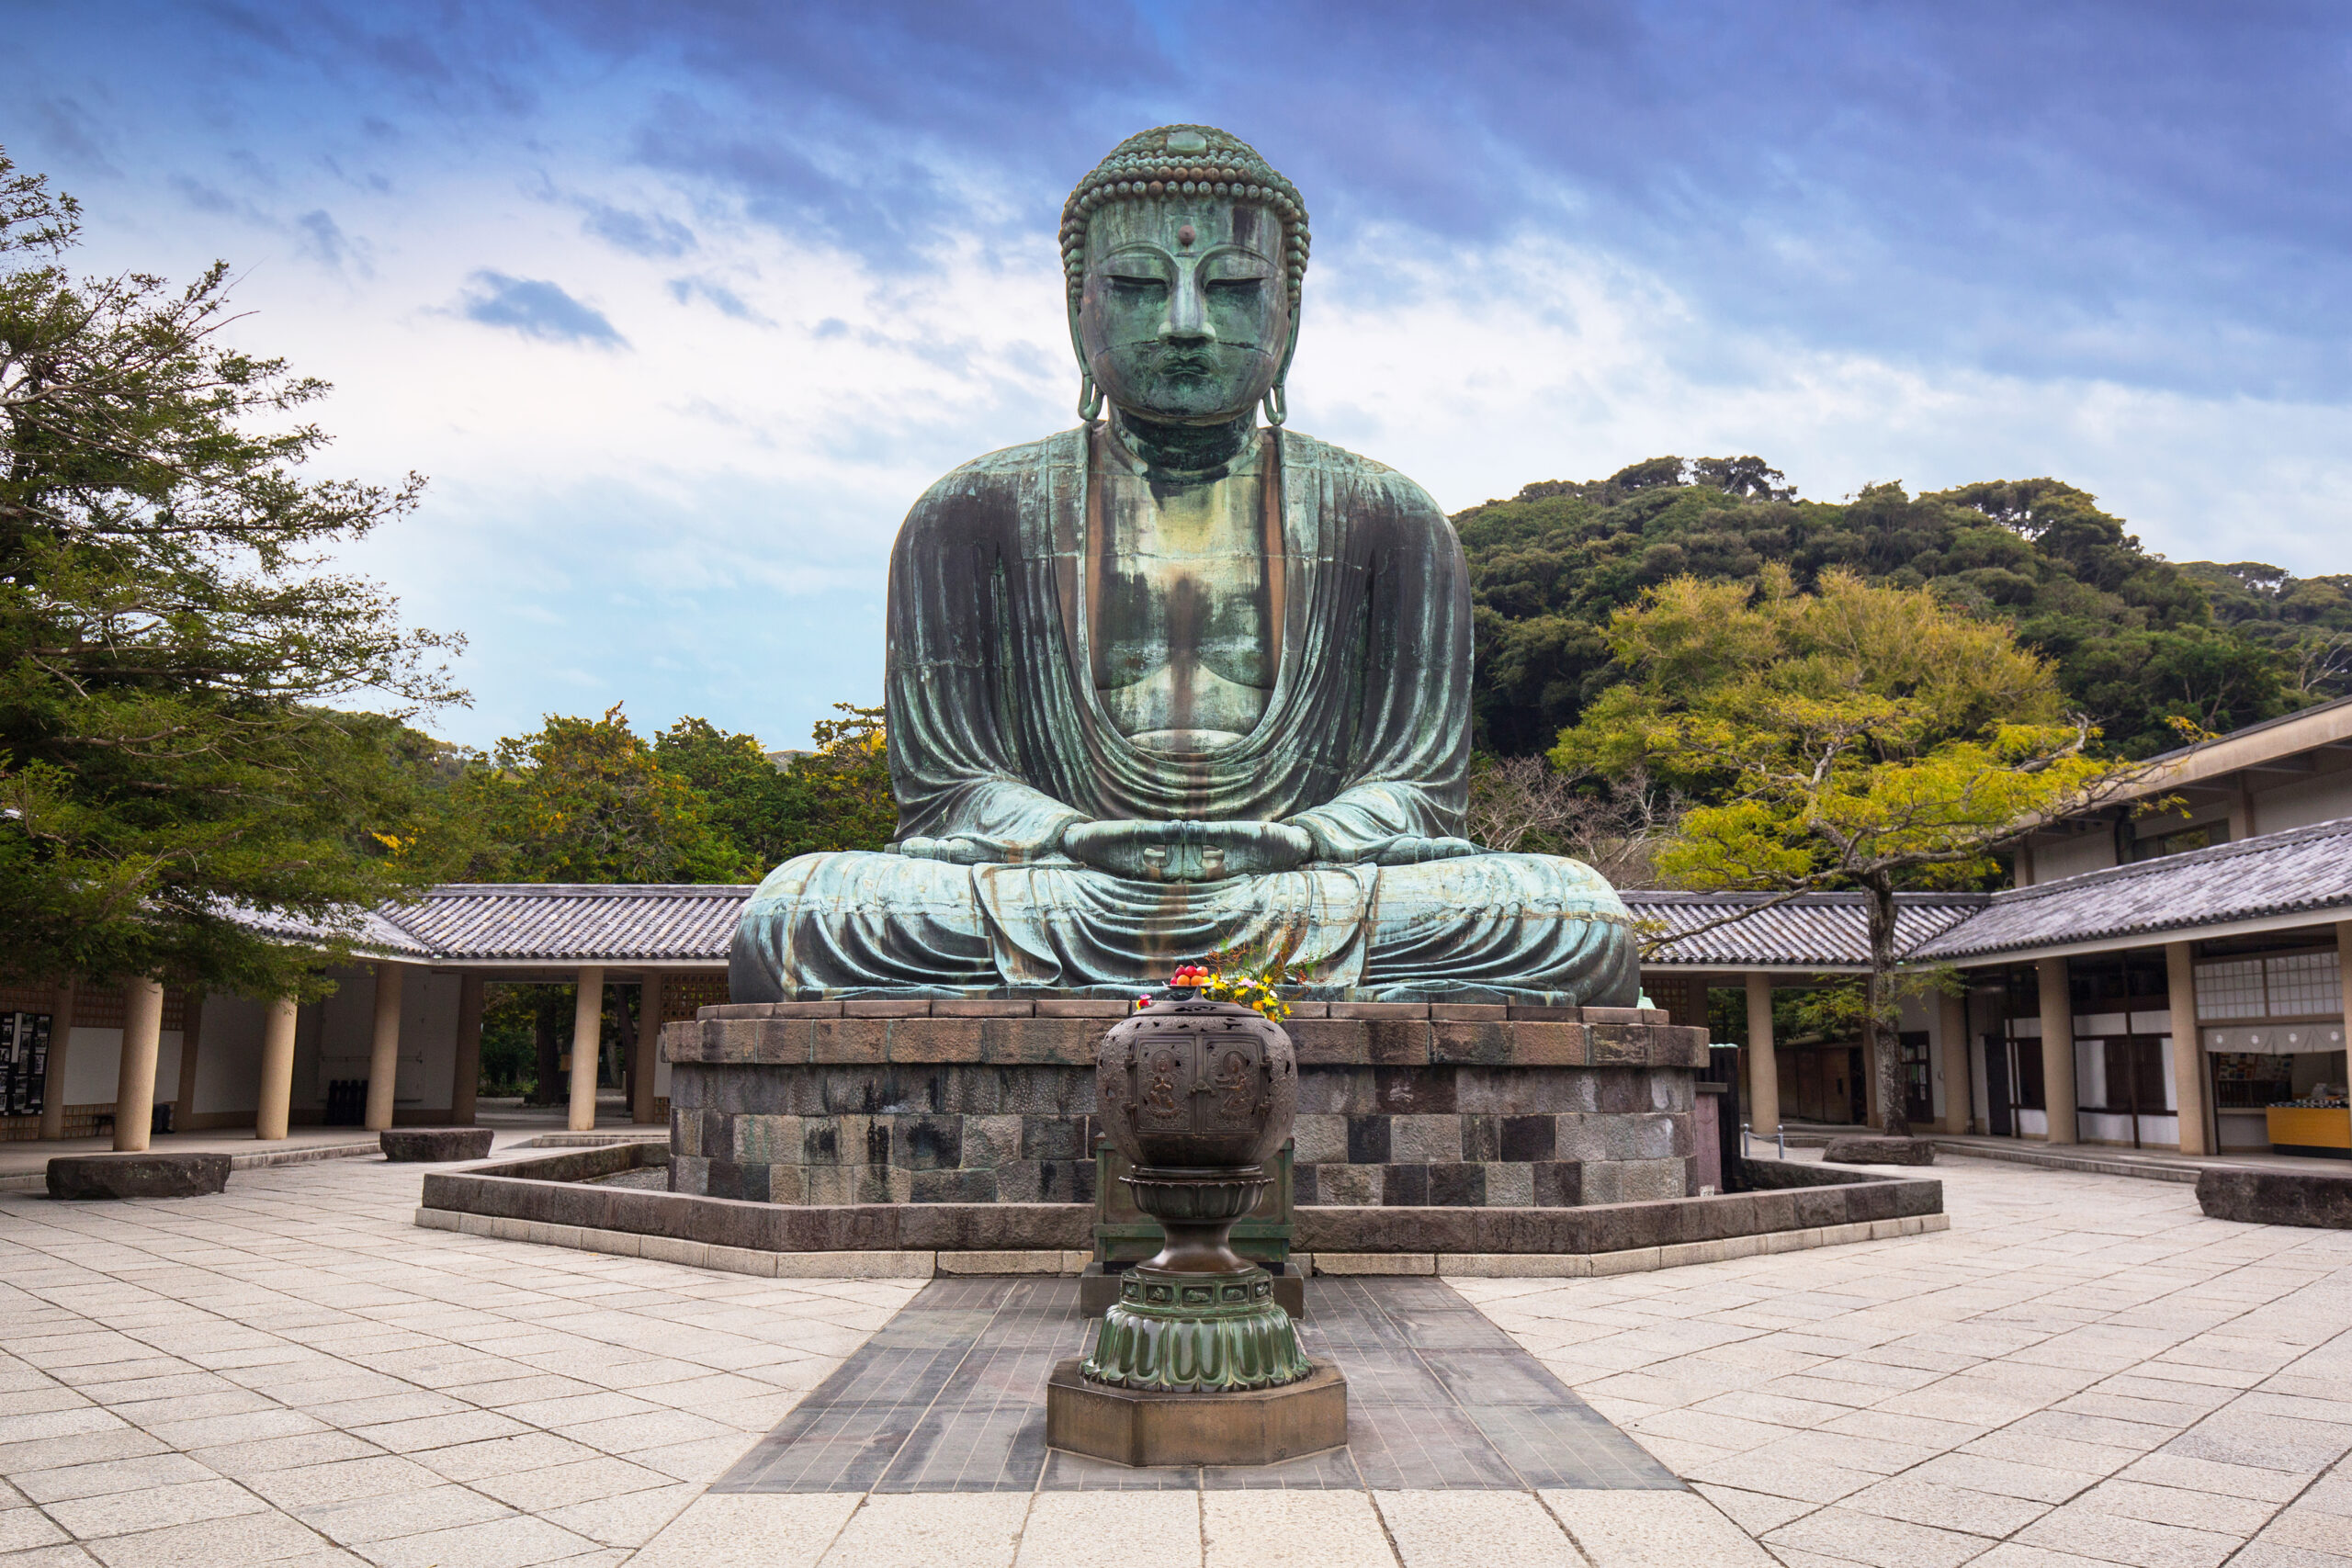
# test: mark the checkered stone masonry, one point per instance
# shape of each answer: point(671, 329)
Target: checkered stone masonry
point(986, 1100)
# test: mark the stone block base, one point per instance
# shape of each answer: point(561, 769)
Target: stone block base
point(137, 1176)
point(1097, 1290)
point(1879, 1151)
point(1260, 1426)
point(436, 1142)
point(2277, 1198)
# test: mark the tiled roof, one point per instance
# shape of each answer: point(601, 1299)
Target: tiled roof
point(570, 922)
point(1816, 929)
point(2277, 874)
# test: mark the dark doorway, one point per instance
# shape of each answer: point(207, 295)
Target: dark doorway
point(1919, 1091)
point(2000, 1105)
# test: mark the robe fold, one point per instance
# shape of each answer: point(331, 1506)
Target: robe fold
point(998, 737)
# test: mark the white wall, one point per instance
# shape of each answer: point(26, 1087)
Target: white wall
point(2054, 858)
point(94, 1063)
point(228, 1056)
point(2302, 802)
point(428, 1035)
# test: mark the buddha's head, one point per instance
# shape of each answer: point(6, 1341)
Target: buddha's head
point(1185, 253)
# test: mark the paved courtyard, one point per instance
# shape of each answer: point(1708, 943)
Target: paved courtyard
point(2082, 1370)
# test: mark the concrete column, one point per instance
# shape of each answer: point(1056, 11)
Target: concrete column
point(587, 1033)
point(134, 1091)
point(1952, 1049)
point(2057, 1049)
point(52, 1083)
point(2189, 1077)
point(384, 1051)
point(191, 1033)
point(1763, 1068)
point(274, 1098)
point(649, 1037)
point(465, 1074)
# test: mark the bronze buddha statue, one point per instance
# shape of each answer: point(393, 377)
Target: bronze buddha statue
point(1179, 681)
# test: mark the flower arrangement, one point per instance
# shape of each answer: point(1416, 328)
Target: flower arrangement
point(1233, 981)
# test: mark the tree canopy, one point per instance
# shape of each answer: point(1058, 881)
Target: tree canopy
point(2135, 642)
point(173, 654)
point(589, 800)
point(1861, 736)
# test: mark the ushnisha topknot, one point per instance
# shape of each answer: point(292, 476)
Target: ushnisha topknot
point(1187, 160)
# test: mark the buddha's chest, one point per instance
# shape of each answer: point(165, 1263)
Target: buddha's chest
point(1181, 629)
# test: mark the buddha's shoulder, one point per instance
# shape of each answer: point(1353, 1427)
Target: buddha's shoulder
point(1011, 466)
point(1302, 453)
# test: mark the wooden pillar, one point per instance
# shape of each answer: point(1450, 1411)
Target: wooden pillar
point(2189, 1082)
point(587, 1039)
point(273, 1096)
point(649, 1034)
point(134, 1084)
point(52, 1083)
point(384, 1050)
point(2057, 1049)
point(191, 1032)
point(1952, 1049)
point(1763, 1068)
point(465, 1071)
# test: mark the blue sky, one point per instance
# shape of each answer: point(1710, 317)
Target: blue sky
point(681, 304)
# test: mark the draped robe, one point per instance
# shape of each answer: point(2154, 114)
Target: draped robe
point(997, 736)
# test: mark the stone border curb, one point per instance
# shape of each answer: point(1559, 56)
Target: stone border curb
point(928, 1265)
point(753, 1261)
point(1638, 1260)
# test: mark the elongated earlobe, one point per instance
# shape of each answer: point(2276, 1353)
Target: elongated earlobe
point(1090, 396)
point(1277, 405)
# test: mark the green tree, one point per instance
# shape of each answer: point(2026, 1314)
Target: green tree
point(171, 656)
point(587, 800)
point(848, 777)
point(1856, 737)
point(2136, 642)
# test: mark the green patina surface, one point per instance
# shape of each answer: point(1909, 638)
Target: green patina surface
point(1182, 680)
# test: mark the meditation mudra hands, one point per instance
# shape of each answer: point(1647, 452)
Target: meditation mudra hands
point(1187, 852)
point(1198, 852)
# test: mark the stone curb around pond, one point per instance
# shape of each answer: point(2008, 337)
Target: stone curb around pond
point(568, 1199)
point(921, 1265)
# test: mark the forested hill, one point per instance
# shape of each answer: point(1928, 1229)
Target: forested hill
point(2138, 640)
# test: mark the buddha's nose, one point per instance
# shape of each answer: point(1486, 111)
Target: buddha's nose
point(1187, 321)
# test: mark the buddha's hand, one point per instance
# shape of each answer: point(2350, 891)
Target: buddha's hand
point(956, 851)
point(1408, 849)
point(1186, 851)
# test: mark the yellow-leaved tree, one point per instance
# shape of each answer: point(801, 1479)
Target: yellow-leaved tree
point(1858, 736)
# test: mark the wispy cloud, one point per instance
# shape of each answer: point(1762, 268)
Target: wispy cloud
point(535, 307)
point(718, 296)
point(639, 234)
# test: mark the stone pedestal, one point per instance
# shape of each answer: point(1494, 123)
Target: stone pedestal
point(137, 1174)
point(945, 1100)
point(437, 1143)
point(1138, 1427)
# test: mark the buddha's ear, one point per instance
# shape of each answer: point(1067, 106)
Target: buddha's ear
point(1090, 396)
point(1277, 401)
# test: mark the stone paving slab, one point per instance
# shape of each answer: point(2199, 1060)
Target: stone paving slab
point(2082, 1370)
point(950, 1397)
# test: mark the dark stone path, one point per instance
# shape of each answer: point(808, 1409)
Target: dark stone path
point(950, 1396)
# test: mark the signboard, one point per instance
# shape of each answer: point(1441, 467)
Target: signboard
point(23, 1062)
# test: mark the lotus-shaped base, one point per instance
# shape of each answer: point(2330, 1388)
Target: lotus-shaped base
point(1190, 1332)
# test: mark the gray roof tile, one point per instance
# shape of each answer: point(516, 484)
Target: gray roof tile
point(1824, 929)
point(2276, 873)
point(568, 922)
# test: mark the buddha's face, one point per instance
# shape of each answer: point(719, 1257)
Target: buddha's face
point(1184, 318)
